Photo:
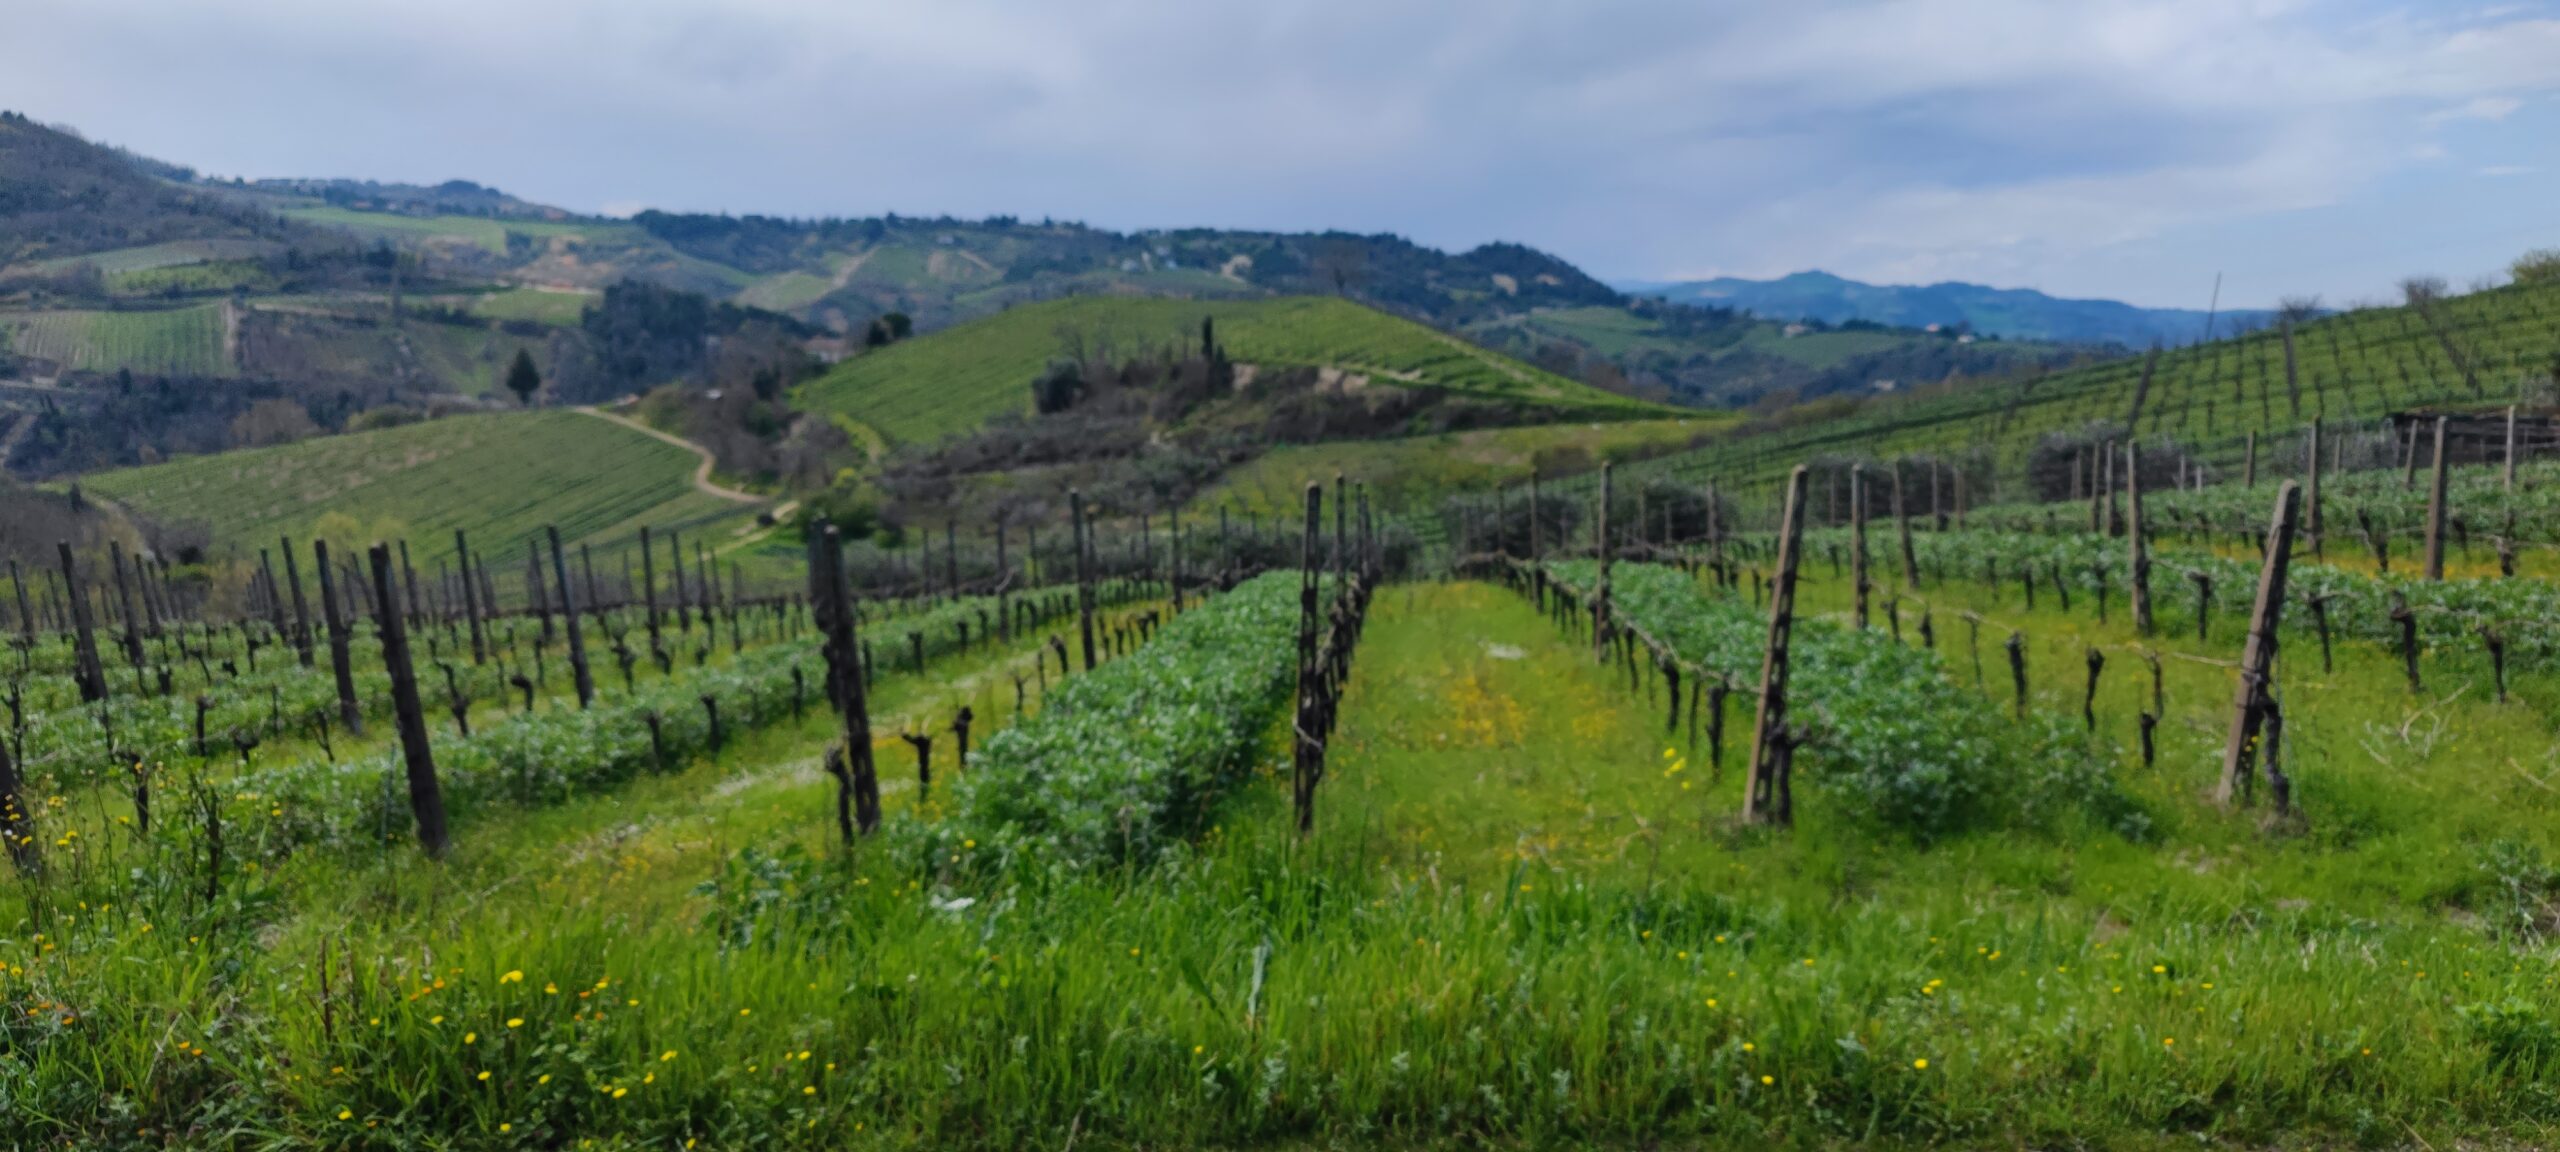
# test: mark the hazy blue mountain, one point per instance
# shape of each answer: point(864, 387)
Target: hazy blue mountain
point(2010, 313)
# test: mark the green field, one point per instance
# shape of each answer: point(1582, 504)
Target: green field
point(487, 232)
point(540, 305)
point(786, 292)
point(951, 381)
point(501, 476)
point(174, 253)
point(184, 341)
point(2350, 370)
point(1410, 473)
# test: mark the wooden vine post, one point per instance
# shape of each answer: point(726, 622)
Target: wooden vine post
point(470, 598)
point(2436, 509)
point(569, 619)
point(1858, 541)
point(1902, 528)
point(2139, 558)
point(85, 669)
point(1306, 753)
point(2511, 448)
point(2311, 491)
point(1769, 799)
point(124, 601)
point(2250, 710)
point(648, 585)
point(1600, 590)
point(857, 777)
point(2248, 463)
point(301, 607)
point(426, 797)
point(341, 642)
point(1084, 574)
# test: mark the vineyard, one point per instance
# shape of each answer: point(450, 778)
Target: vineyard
point(2209, 403)
point(952, 381)
point(500, 476)
point(179, 341)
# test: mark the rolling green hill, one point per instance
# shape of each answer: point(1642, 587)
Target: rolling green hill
point(949, 382)
point(2484, 349)
point(500, 476)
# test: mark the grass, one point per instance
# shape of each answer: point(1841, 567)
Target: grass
point(540, 305)
point(170, 254)
point(1522, 922)
point(499, 476)
point(952, 381)
point(1408, 473)
point(483, 231)
point(176, 341)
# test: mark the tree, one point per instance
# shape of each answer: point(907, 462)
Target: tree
point(267, 422)
point(1058, 387)
point(523, 378)
point(2540, 266)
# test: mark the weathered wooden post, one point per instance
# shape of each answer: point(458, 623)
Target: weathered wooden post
point(1084, 574)
point(85, 669)
point(1902, 527)
point(1307, 754)
point(426, 798)
point(1600, 591)
point(2248, 463)
point(648, 585)
point(470, 598)
point(533, 583)
point(341, 658)
point(831, 594)
point(2436, 509)
point(2311, 492)
point(569, 619)
point(124, 597)
point(1004, 585)
point(2249, 711)
point(1769, 798)
point(1858, 585)
point(2139, 556)
point(684, 604)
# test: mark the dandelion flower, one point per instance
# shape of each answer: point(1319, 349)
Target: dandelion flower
point(1921, 1063)
point(670, 1054)
point(1768, 1079)
point(810, 1090)
point(346, 1114)
point(515, 1021)
point(484, 1075)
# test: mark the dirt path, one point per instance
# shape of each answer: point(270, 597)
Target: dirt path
point(701, 473)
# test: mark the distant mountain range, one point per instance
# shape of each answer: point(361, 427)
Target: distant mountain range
point(2009, 313)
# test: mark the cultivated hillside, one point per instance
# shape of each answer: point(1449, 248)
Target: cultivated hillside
point(501, 477)
point(949, 382)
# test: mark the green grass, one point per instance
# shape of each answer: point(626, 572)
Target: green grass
point(1526, 919)
point(1411, 473)
point(171, 254)
point(500, 476)
point(787, 292)
point(174, 341)
point(486, 232)
point(954, 380)
point(540, 305)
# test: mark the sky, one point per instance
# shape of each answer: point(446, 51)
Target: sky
point(2126, 149)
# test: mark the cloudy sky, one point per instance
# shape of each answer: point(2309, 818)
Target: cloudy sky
point(2121, 148)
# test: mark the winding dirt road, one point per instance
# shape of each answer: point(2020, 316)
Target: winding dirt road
point(702, 481)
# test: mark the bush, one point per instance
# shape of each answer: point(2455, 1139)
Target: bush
point(2540, 266)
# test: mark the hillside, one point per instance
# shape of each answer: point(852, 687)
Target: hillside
point(501, 477)
point(935, 386)
point(2351, 370)
point(2009, 313)
point(62, 196)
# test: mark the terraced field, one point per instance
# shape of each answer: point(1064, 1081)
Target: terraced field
point(500, 476)
point(176, 341)
point(2485, 349)
point(946, 383)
